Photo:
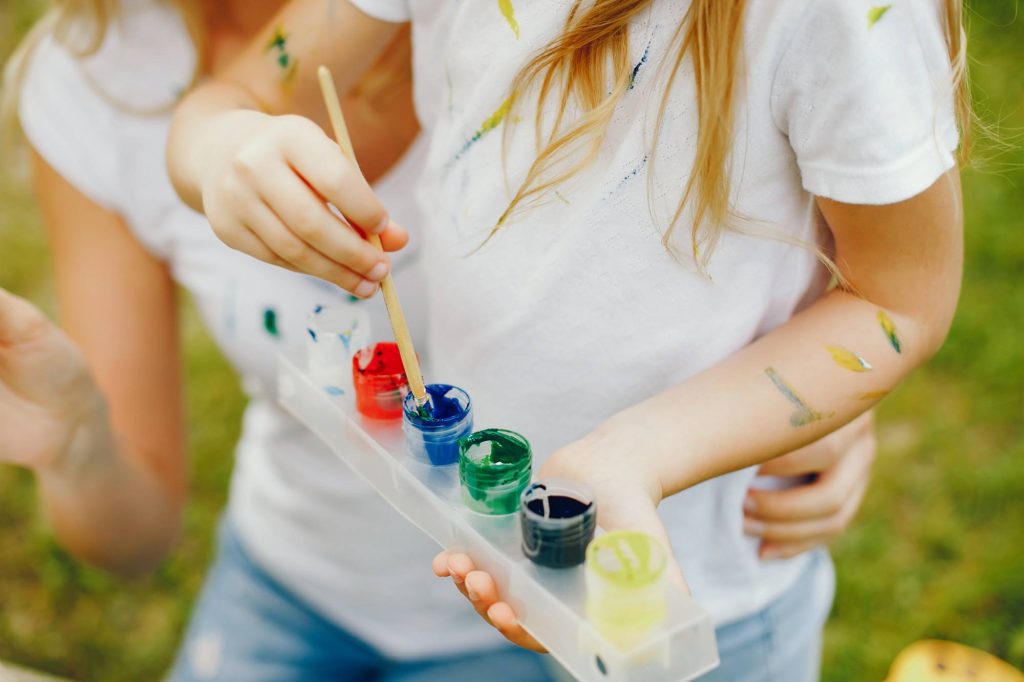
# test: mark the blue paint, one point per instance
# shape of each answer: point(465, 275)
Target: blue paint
point(434, 436)
point(312, 334)
point(334, 390)
point(639, 64)
point(317, 309)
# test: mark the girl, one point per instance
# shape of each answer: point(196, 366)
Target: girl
point(629, 209)
point(301, 587)
point(625, 207)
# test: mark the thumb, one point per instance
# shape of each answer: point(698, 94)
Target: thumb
point(20, 321)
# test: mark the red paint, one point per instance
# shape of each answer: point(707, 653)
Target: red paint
point(380, 382)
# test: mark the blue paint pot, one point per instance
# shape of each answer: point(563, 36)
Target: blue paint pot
point(432, 433)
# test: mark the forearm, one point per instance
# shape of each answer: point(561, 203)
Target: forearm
point(106, 505)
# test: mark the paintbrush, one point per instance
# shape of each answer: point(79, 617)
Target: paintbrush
point(387, 286)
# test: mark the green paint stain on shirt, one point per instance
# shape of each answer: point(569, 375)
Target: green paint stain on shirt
point(876, 13)
point(509, 12)
point(270, 322)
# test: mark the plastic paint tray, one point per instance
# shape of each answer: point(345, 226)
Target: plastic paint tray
point(550, 602)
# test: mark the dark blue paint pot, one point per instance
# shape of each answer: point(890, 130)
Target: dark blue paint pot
point(432, 433)
point(558, 518)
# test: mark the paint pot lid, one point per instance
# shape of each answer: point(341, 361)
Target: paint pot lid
point(627, 558)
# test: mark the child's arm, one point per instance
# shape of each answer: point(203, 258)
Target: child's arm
point(791, 387)
point(263, 178)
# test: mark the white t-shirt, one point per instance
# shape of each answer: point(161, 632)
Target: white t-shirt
point(316, 527)
point(575, 310)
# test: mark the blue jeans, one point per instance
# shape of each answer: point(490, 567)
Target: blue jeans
point(248, 628)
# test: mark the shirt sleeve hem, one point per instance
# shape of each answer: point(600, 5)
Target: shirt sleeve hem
point(889, 184)
point(395, 11)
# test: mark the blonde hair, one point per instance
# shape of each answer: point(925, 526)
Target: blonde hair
point(593, 52)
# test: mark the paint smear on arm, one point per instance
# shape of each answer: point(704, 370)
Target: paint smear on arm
point(847, 359)
point(890, 331)
point(509, 12)
point(876, 13)
point(804, 415)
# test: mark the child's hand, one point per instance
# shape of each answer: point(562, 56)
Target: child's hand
point(267, 194)
point(794, 520)
point(45, 386)
point(626, 498)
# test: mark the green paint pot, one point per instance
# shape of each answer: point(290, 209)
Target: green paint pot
point(495, 466)
point(627, 585)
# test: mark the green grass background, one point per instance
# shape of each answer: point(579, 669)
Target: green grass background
point(937, 551)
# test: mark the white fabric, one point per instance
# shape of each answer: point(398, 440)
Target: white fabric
point(574, 310)
point(318, 529)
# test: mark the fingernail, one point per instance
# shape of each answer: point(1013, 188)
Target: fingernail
point(471, 592)
point(456, 579)
point(382, 225)
point(749, 503)
point(753, 527)
point(378, 272)
point(366, 289)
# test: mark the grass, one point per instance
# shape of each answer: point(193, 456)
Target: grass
point(936, 551)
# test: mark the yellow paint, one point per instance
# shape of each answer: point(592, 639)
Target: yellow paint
point(495, 119)
point(933, 660)
point(872, 395)
point(876, 13)
point(509, 12)
point(848, 359)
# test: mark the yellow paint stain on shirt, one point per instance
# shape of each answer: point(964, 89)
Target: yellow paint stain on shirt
point(876, 13)
point(509, 12)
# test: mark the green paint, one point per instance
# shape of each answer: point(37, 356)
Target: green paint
point(876, 13)
point(270, 322)
point(278, 46)
point(890, 331)
point(494, 469)
point(804, 415)
point(509, 12)
point(847, 359)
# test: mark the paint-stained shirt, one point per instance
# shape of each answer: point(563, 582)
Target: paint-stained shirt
point(575, 310)
point(102, 123)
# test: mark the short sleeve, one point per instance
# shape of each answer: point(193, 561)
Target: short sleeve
point(395, 11)
point(864, 93)
point(70, 124)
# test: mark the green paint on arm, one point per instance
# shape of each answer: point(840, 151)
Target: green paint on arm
point(278, 47)
point(876, 13)
point(509, 12)
point(848, 359)
point(890, 331)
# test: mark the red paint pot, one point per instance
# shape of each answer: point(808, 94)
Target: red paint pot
point(380, 381)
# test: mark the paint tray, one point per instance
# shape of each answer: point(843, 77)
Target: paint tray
point(549, 602)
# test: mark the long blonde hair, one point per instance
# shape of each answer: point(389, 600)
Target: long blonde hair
point(588, 65)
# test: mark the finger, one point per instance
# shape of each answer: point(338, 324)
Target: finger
point(459, 566)
point(20, 321)
point(504, 620)
point(322, 165)
point(788, 550)
point(265, 224)
point(308, 218)
point(440, 565)
point(823, 497)
point(394, 237)
point(826, 527)
point(482, 591)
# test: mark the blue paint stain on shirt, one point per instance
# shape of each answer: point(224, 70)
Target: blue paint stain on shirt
point(639, 64)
